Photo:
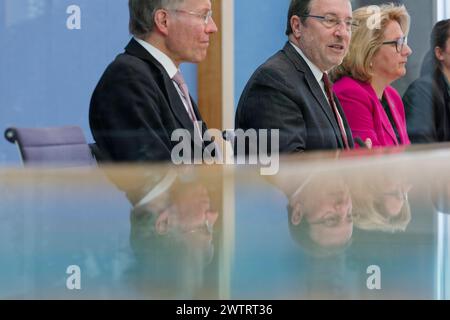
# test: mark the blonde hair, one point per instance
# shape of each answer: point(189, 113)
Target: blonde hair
point(369, 214)
point(367, 39)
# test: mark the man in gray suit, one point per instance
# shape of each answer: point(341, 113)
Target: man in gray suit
point(291, 91)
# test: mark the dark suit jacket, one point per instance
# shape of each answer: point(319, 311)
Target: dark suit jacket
point(427, 107)
point(283, 94)
point(135, 108)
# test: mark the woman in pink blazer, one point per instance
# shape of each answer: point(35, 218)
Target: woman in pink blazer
point(377, 57)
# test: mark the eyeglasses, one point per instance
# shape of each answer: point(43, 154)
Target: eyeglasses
point(204, 16)
point(399, 44)
point(331, 21)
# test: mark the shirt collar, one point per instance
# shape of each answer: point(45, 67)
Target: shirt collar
point(160, 56)
point(318, 74)
point(159, 189)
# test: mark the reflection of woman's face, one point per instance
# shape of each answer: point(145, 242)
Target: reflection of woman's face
point(329, 213)
point(392, 199)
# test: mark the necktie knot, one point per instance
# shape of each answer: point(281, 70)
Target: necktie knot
point(178, 78)
point(327, 83)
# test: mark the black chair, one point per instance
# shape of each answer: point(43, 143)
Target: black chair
point(57, 146)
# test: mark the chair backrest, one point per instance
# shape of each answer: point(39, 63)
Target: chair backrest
point(58, 146)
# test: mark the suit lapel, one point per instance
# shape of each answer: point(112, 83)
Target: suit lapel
point(177, 105)
point(347, 129)
point(324, 104)
point(315, 88)
point(167, 86)
point(179, 110)
point(385, 119)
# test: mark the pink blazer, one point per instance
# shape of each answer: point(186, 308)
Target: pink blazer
point(366, 115)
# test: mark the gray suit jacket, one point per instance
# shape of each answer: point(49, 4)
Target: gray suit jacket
point(283, 94)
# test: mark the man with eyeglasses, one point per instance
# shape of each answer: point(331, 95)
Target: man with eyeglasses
point(319, 210)
point(291, 91)
point(171, 235)
point(142, 97)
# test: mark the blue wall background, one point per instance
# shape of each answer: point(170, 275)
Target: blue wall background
point(48, 72)
point(260, 27)
point(259, 34)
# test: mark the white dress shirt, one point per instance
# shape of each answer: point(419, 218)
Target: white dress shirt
point(318, 74)
point(167, 64)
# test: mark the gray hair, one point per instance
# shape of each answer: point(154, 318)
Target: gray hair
point(142, 15)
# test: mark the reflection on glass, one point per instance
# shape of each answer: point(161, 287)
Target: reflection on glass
point(440, 195)
point(319, 211)
point(172, 238)
point(380, 202)
point(174, 245)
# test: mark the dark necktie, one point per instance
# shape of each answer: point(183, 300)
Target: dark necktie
point(329, 91)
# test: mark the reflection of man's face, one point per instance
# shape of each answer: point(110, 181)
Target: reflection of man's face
point(328, 210)
point(193, 218)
